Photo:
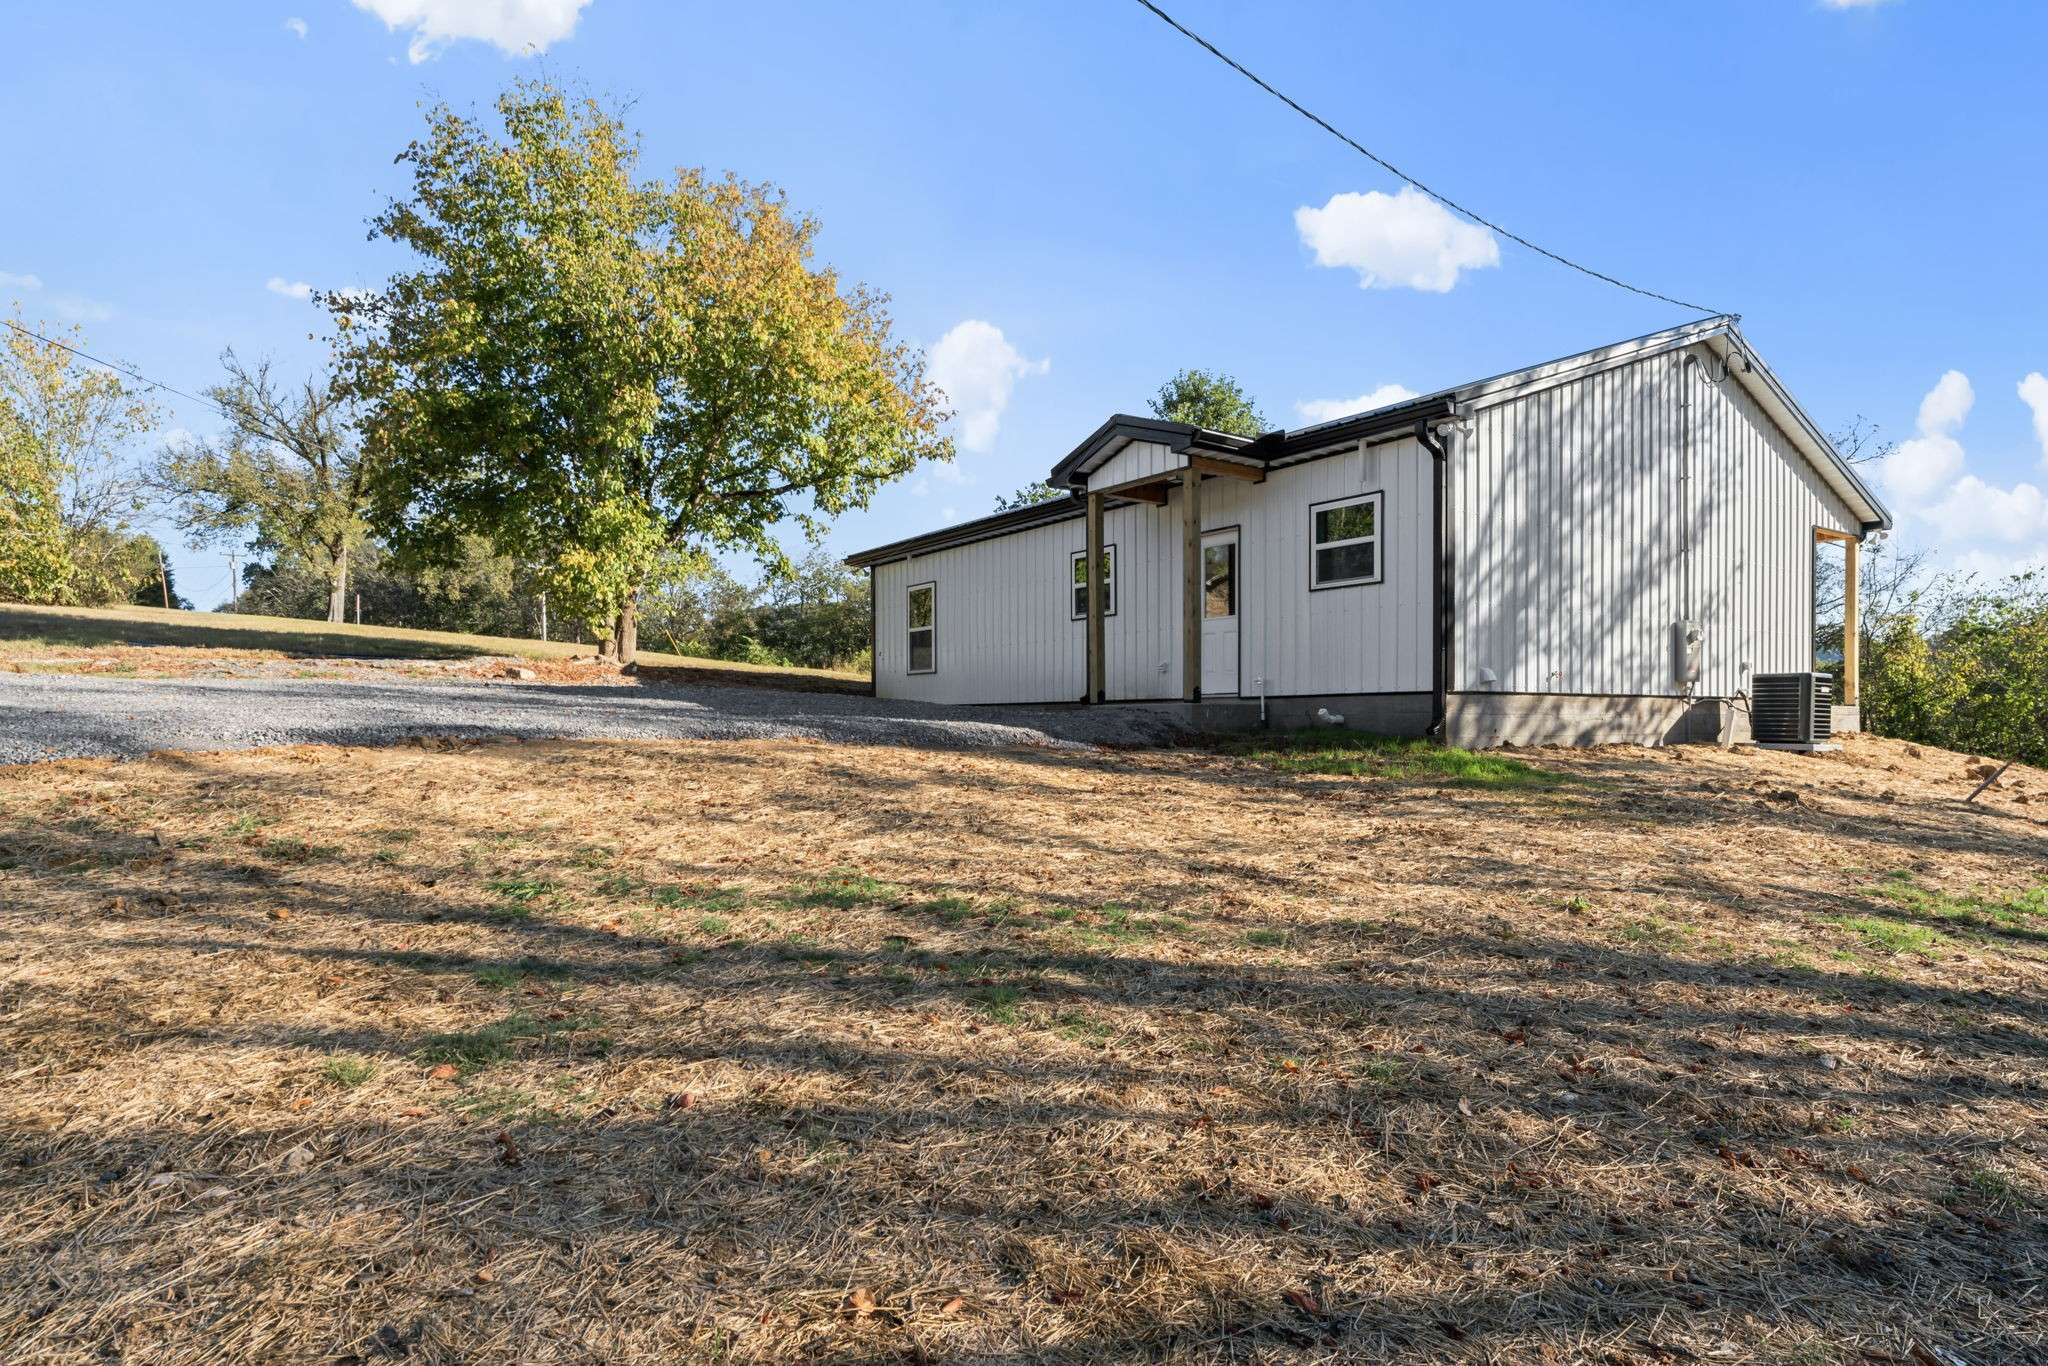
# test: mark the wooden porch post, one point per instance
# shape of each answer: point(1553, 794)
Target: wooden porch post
point(1191, 585)
point(1852, 625)
point(1095, 669)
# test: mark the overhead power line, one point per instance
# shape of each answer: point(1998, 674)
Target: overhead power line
point(141, 378)
point(1396, 171)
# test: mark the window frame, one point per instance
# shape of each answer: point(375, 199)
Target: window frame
point(910, 632)
point(1378, 499)
point(1075, 557)
point(1236, 570)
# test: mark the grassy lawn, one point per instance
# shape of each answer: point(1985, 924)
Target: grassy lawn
point(768, 1052)
point(1348, 754)
point(32, 634)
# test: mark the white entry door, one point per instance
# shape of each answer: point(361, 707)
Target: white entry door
point(1219, 613)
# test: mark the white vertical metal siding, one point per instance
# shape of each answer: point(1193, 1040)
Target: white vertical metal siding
point(1005, 628)
point(1571, 516)
point(1137, 460)
point(1361, 638)
point(1006, 631)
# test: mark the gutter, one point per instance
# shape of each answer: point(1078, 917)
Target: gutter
point(1441, 621)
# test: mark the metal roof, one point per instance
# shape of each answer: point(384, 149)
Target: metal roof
point(1718, 333)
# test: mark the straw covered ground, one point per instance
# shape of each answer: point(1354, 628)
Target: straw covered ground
point(779, 1051)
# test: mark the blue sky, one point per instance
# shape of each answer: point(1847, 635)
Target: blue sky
point(1069, 201)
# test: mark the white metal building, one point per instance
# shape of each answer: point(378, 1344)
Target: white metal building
point(1523, 558)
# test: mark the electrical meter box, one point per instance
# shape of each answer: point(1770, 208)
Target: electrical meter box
point(1685, 651)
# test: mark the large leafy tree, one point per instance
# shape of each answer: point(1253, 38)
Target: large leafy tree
point(288, 472)
point(594, 371)
point(68, 487)
point(1208, 398)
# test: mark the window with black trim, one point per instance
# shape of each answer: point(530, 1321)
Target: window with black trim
point(1077, 564)
point(922, 615)
point(1344, 536)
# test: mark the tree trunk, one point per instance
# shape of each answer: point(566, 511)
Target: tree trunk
point(337, 589)
point(626, 630)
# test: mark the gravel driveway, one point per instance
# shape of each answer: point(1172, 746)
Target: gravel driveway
point(60, 716)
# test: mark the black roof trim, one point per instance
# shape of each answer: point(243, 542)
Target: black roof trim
point(1345, 430)
point(980, 529)
point(1122, 427)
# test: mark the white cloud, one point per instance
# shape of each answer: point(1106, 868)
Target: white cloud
point(516, 28)
point(1979, 527)
point(291, 289)
point(1934, 457)
point(9, 280)
point(976, 367)
point(79, 309)
point(2034, 393)
point(1947, 404)
point(949, 515)
point(1976, 511)
point(1397, 241)
point(1852, 4)
point(296, 27)
point(1328, 409)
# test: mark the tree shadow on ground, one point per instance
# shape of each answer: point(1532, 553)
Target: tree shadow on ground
point(884, 1112)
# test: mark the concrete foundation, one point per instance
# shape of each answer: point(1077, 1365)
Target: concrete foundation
point(1488, 720)
point(1391, 713)
point(1848, 720)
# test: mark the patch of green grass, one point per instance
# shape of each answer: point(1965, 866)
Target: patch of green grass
point(840, 891)
point(1082, 1028)
point(1266, 939)
point(506, 1104)
point(712, 901)
point(347, 1073)
point(298, 851)
point(1650, 931)
point(517, 895)
point(1890, 936)
point(951, 909)
point(387, 857)
point(505, 976)
point(1349, 754)
point(1390, 1073)
point(998, 1003)
point(248, 823)
point(473, 1050)
point(1997, 910)
point(617, 884)
point(1992, 1187)
point(591, 856)
point(1577, 905)
point(715, 926)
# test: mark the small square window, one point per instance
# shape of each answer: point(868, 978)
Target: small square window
point(1345, 542)
point(1078, 566)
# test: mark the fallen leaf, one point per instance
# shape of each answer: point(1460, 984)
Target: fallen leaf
point(280, 913)
point(861, 1302)
point(486, 1275)
point(953, 1306)
point(508, 1151)
point(447, 1071)
point(1303, 1301)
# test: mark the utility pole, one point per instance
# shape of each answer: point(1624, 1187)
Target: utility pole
point(163, 580)
point(359, 607)
point(543, 618)
point(234, 581)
